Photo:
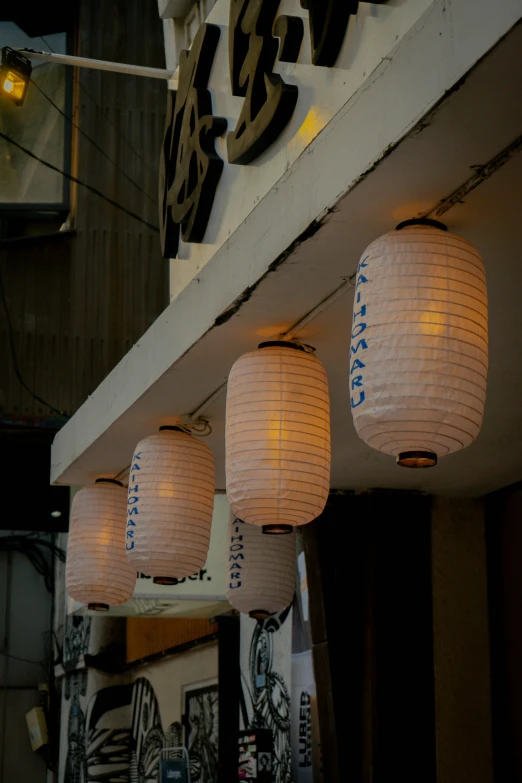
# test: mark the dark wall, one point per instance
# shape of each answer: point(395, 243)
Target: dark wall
point(369, 575)
point(504, 538)
point(78, 303)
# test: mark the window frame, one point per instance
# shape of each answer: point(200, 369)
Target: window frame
point(52, 210)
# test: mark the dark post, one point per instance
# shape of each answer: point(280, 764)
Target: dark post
point(229, 695)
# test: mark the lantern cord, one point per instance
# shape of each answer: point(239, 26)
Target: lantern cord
point(323, 305)
point(14, 358)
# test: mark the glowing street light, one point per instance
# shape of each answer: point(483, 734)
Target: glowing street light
point(15, 74)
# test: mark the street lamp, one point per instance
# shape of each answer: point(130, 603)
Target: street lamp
point(15, 74)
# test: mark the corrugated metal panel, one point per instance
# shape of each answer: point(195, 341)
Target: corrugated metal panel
point(78, 305)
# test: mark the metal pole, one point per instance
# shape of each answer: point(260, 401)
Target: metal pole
point(100, 65)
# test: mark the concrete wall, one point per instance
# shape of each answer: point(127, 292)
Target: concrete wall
point(25, 624)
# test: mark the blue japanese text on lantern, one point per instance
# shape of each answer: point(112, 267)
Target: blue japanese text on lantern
point(132, 501)
point(236, 555)
point(359, 344)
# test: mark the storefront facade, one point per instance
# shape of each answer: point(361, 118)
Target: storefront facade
point(413, 112)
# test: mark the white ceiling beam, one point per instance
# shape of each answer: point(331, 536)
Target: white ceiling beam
point(173, 9)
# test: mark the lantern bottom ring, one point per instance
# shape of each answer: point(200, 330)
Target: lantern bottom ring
point(417, 459)
point(277, 530)
point(259, 614)
point(98, 607)
point(165, 580)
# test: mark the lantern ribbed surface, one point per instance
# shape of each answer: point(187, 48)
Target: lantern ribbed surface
point(419, 349)
point(277, 437)
point(170, 504)
point(261, 570)
point(97, 571)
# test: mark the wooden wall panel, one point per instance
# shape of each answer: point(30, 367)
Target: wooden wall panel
point(148, 636)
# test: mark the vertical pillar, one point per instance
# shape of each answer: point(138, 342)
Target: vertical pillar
point(229, 697)
point(461, 642)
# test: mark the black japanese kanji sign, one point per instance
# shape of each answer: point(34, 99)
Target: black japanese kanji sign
point(328, 25)
point(190, 168)
point(269, 102)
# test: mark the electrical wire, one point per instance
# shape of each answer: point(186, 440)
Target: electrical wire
point(94, 144)
point(37, 552)
point(14, 357)
point(122, 136)
point(17, 658)
point(70, 177)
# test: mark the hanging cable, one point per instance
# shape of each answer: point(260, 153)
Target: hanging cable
point(70, 177)
point(122, 136)
point(14, 357)
point(94, 144)
point(37, 552)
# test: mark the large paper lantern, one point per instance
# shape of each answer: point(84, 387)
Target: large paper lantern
point(278, 437)
point(97, 572)
point(260, 570)
point(170, 504)
point(419, 349)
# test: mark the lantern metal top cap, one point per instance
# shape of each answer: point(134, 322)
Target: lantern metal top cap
point(422, 222)
point(287, 344)
point(109, 481)
point(282, 344)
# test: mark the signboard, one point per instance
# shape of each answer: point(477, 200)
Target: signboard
point(201, 595)
point(174, 771)
point(306, 745)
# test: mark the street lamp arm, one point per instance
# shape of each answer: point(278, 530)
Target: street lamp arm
point(100, 65)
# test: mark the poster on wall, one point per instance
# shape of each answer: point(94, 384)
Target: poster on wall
point(306, 745)
point(266, 662)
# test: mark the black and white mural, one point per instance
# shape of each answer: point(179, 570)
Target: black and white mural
point(266, 662)
point(201, 727)
point(115, 727)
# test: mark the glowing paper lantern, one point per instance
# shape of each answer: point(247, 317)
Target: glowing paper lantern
point(419, 350)
point(260, 570)
point(97, 571)
point(170, 504)
point(278, 437)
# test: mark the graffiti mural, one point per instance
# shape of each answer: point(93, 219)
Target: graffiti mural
point(119, 737)
point(201, 722)
point(265, 678)
point(75, 765)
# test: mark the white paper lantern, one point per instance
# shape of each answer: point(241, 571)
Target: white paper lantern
point(260, 570)
point(419, 350)
point(170, 504)
point(97, 572)
point(278, 437)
